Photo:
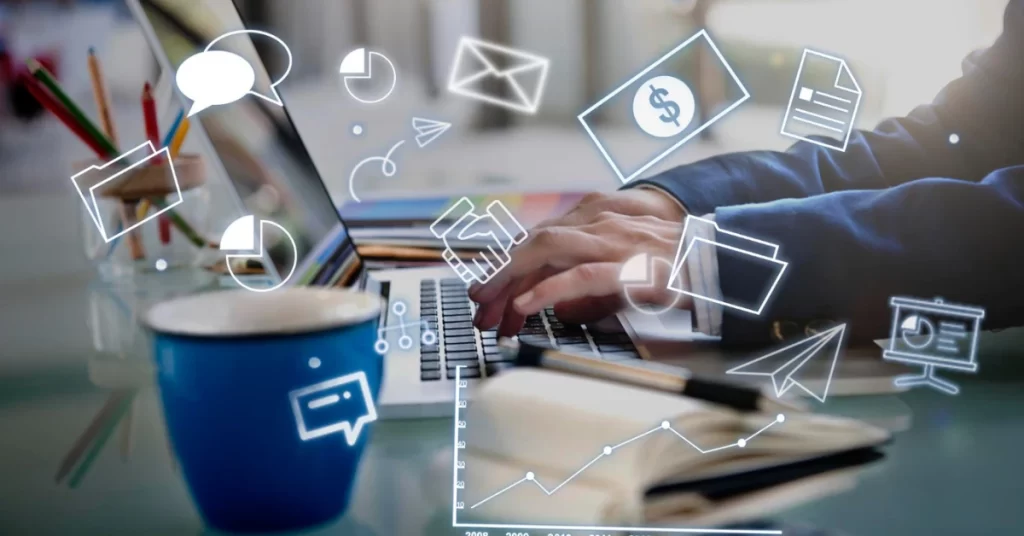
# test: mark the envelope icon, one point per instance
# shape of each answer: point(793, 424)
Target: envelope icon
point(764, 269)
point(112, 177)
point(498, 75)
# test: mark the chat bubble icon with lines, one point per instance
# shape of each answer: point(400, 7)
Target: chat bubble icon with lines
point(343, 404)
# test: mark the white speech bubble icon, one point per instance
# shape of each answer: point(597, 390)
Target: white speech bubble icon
point(215, 77)
point(273, 96)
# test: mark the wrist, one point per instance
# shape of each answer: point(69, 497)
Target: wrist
point(666, 206)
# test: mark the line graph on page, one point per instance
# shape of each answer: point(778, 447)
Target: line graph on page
point(463, 509)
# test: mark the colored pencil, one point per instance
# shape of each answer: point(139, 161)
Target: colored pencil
point(143, 209)
point(174, 129)
point(134, 239)
point(179, 138)
point(46, 78)
point(101, 440)
point(48, 102)
point(183, 225)
point(153, 133)
point(149, 117)
point(99, 92)
point(84, 440)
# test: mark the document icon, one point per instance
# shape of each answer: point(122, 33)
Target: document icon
point(823, 103)
point(731, 247)
point(790, 366)
point(113, 176)
point(498, 75)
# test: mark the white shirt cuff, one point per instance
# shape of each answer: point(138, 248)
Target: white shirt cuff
point(703, 274)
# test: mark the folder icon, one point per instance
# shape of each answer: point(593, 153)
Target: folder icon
point(112, 177)
point(518, 86)
point(728, 247)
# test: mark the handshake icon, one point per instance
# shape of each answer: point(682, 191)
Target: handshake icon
point(490, 235)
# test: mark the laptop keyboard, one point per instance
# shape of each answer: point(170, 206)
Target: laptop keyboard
point(446, 308)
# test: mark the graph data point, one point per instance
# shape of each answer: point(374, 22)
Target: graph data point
point(664, 425)
point(780, 418)
point(529, 476)
point(607, 451)
point(741, 443)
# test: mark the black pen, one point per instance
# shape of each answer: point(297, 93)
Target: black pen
point(678, 381)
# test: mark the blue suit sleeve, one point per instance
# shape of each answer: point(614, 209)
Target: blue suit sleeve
point(850, 251)
point(983, 108)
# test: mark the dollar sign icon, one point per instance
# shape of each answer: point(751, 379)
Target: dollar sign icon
point(657, 100)
point(663, 106)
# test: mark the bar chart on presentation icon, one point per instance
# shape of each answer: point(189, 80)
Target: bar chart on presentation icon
point(508, 495)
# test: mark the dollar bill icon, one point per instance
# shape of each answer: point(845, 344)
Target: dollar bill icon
point(663, 106)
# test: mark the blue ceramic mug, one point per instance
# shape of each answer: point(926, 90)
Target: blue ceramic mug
point(267, 398)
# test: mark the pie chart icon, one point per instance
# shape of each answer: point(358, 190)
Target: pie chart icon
point(917, 331)
point(243, 236)
point(637, 275)
point(369, 76)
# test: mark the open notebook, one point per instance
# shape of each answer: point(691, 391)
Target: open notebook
point(546, 447)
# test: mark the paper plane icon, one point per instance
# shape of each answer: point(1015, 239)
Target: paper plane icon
point(788, 367)
point(428, 130)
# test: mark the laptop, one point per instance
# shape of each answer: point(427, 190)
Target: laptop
point(259, 150)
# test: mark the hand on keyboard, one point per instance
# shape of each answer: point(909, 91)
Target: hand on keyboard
point(574, 262)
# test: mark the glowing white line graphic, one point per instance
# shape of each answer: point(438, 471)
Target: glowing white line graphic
point(609, 450)
point(456, 505)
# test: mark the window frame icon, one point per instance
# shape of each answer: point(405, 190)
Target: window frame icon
point(623, 176)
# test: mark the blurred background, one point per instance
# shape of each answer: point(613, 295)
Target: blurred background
point(901, 52)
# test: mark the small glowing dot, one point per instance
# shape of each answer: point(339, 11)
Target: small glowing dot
point(161, 265)
point(357, 130)
point(664, 425)
point(741, 443)
point(347, 395)
point(314, 362)
point(529, 476)
point(954, 139)
point(607, 451)
point(780, 418)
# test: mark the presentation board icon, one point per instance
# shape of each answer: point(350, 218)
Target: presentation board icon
point(343, 404)
point(428, 130)
point(91, 183)
point(245, 237)
point(808, 364)
point(696, 240)
point(363, 81)
point(498, 75)
point(934, 334)
point(663, 106)
point(826, 112)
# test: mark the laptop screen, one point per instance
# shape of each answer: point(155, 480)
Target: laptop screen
point(260, 149)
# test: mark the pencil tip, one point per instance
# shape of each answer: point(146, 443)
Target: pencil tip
point(33, 64)
point(92, 51)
